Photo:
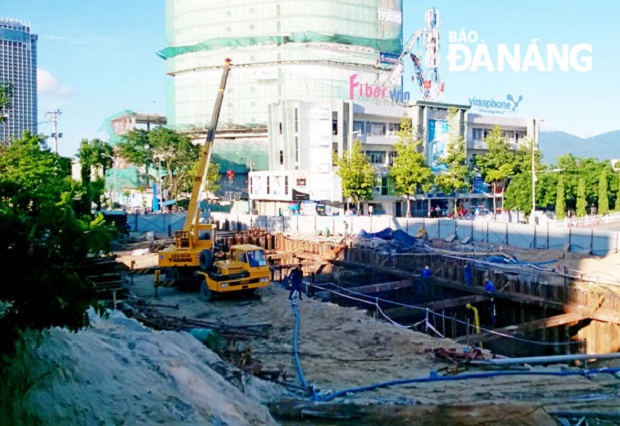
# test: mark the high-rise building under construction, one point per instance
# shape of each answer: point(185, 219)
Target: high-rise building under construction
point(280, 50)
point(18, 72)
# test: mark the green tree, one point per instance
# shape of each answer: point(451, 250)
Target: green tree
point(518, 194)
point(410, 172)
point(356, 173)
point(95, 158)
point(582, 204)
point(40, 230)
point(590, 169)
point(212, 184)
point(162, 152)
point(456, 178)
point(6, 95)
point(560, 203)
point(498, 163)
point(603, 193)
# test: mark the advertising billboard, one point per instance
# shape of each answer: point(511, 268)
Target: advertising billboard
point(437, 144)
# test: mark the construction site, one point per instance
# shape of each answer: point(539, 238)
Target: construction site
point(375, 339)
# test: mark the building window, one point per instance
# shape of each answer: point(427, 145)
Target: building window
point(268, 188)
point(281, 157)
point(334, 123)
point(519, 137)
point(285, 185)
point(384, 186)
point(477, 134)
point(393, 129)
point(296, 152)
point(377, 129)
point(376, 157)
point(358, 129)
point(391, 157)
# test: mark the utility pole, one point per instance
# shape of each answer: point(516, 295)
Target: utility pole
point(536, 131)
point(55, 135)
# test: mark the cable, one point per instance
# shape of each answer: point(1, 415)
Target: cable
point(434, 377)
point(375, 301)
point(302, 379)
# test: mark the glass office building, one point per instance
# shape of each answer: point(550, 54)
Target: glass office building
point(18, 69)
point(280, 50)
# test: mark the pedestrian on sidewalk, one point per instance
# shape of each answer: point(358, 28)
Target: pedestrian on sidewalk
point(296, 278)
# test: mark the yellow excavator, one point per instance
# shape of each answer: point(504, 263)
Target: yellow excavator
point(191, 258)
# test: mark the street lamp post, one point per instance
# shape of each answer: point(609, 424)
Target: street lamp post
point(533, 183)
point(534, 142)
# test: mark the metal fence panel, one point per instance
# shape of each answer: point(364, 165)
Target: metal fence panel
point(547, 236)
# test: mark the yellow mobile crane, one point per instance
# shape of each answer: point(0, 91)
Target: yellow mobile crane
point(191, 257)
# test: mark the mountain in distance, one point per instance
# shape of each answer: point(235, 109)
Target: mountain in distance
point(602, 147)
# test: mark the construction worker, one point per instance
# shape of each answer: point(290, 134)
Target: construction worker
point(426, 272)
point(467, 268)
point(296, 279)
point(488, 286)
point(493, 311)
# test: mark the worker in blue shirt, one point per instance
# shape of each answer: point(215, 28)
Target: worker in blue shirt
point(426, 272)
point(488, 286)
point(296, 279)
point(468, 274)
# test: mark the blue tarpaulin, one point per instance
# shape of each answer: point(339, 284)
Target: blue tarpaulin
point(403, 240)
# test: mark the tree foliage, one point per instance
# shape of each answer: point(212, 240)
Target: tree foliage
point(162, 152)
point(6, 96)
point(410, 172)
point(582, 204)
point(356, 173)
point(603, 193)
point(518, 194)
point(498, 163)
point(456, 178)
point(211, 184)
point(560, 203)
point(43, 239)
point(95, 158)
point(582, 178)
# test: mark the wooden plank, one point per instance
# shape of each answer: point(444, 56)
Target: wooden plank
point(435, 306)
point(599, 314)
point(376, 288)
point(511, 330)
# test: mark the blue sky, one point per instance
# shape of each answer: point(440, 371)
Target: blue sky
point(582, 103)
point(96, 58)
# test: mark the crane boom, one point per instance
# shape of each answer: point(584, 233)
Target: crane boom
point(430, 83)
point(192, 217)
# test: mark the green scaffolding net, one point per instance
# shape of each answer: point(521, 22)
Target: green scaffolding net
point(392, 45)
